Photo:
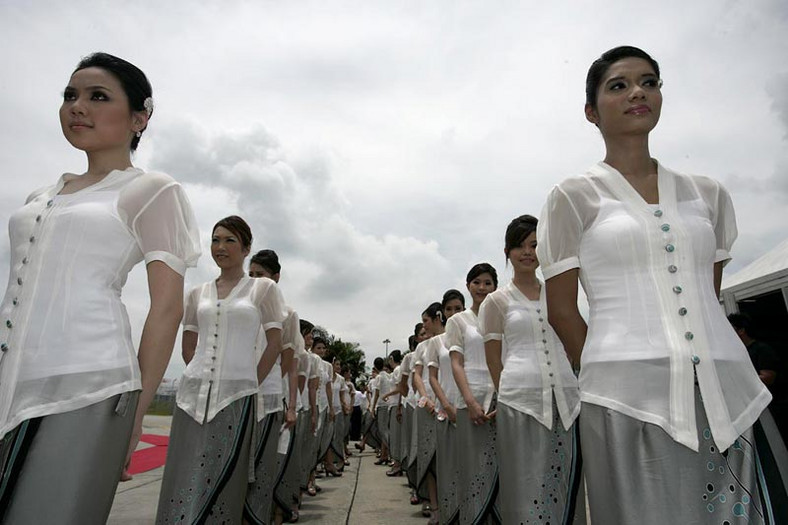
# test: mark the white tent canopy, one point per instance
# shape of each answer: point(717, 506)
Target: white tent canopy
point(766, 274)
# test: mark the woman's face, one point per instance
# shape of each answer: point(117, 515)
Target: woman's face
point(428, 325)
point(629, 101)
point(257, 271)
point(422, 335)
point(95, 114)
point(480, 287)
point(523, 257)
point(337, 366)
point(226, 249)
point(319, 349)
point(308, 340)
point(453, 307)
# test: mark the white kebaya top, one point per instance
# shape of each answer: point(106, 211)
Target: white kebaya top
point(438, 357)
point(337, 387)
point(224, 366)
point(654, 315)
point(463, 337)
point(274, 389)
point(535, 366)
point(407, 370)
point(65, 338)
point(396, 377)
point(325, 373)
point(420, 358)
point(383, 385)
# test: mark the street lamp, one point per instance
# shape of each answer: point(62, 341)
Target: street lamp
point(386, 342)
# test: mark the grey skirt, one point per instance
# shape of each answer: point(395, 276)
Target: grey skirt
point(478, 489)
point(64, 468)
point(326, 436)
point(447, 463)
point(268, 469)
point(636, 473)
point(308, 447)
point(395, 436)
point(369, 430)
point(207, 470)
point(288, 489)
point(382, 417)
point(539, 470)
point(427, 439)
point(338, 439)
point(406, 427)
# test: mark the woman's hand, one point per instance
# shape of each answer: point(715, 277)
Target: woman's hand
point(451, 411)
point(476, 413)
point(313, 418)
point(136, 434)
point(290, 418)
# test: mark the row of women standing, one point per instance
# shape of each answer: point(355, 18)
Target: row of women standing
point(653, 401)
point(670, 409)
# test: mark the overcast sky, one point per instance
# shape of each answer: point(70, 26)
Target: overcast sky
point(381, 148)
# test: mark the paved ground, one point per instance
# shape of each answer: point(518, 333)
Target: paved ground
point(363, 495)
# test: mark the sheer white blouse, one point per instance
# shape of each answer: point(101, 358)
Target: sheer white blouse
point(655, 322)
point(420, 358)
point(274, 389)
point(65, 337)
point(407, 370)
point(325, 372)
point(463, 337)
point(535, 367)
point(438, 356)
point(224, 366)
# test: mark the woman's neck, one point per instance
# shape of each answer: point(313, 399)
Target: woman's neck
point(439, 331)
point(526, 280)
point(100, 163)
point(475, 307)
point(630, 156)
point(234, 274)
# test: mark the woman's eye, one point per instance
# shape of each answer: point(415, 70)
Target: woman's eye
point(98, 95)
point(616, 86)
point(651, 83)
point(69, 95)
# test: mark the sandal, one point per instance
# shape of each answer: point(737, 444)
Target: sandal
point(394, 472)
point(381, 462)
point(414, 498)
point(311, 491)
point(434, 518)
point(293, 516)
point(426, 510)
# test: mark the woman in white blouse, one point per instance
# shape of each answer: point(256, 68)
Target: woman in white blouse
point(476, 436)
point(426, 428)
point(210, 452)
point(277, 404)
point(669, 395)
point(538, 400)
point(446, 392)
point(73, 391)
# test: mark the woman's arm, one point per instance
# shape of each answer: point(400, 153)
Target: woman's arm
point(330, 394)
point(563, 314)
point(290, 369)
point(188, 345)
point(450, 409)
point(492, 353)
point(313, 383)
point(475, 410)
point(273, 347)
point(717, 278)
point(165, 286)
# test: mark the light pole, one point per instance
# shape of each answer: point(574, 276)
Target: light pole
point(386, 342)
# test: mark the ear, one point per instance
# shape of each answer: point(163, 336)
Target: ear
point(139, 121)
point(591, 115)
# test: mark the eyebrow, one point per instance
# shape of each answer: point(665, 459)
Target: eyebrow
point(622, 77)
point(89, 88)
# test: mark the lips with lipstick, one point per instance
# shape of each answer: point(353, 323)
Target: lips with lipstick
point(640, 109)
point(79, 125)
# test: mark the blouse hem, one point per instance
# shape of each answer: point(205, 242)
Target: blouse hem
point(173, 261)
point(559, 267)
point(224, 404)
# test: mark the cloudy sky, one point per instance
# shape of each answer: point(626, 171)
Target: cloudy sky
point(381, 148)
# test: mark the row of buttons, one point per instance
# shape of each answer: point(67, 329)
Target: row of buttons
point(19, 278)
point(672, 268)
point(544, 341)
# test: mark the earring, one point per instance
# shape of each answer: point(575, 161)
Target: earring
point(139, 134)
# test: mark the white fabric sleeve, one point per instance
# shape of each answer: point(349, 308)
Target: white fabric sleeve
point(558, 235)
point(455, 335)
point(491, 317)
point(314, 367)
point(270, 303)
point(190, 310)
point(724, 225)
point(290, 328)
point(162, 221)
point(418, 359)
point(431, 355)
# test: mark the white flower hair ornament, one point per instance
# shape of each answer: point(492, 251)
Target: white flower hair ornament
point(148, 105)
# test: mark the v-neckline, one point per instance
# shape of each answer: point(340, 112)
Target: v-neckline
point(625, 191)
point(232, 292)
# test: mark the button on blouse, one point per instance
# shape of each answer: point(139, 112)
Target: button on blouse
point(655, 321)
point(65, 334)
point(224, 366)
point(535, 367)
point(463, 337)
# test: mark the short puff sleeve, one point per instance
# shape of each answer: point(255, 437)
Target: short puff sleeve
point(190, 310)
point(162, 221)
point(431, 355)
point(558, 234)
point(491, 318)
point(270, 302)
point(455, 335)
point(291, 331)
point(724, 225)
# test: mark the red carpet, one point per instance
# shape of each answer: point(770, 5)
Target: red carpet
point(151, 457)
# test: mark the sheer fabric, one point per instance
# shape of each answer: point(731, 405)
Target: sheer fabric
point(535, 367)
point(438, 357)
point(64, 332)
point(224, 366)
point(420, 358)
point(655, 322)
point(463, 337)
